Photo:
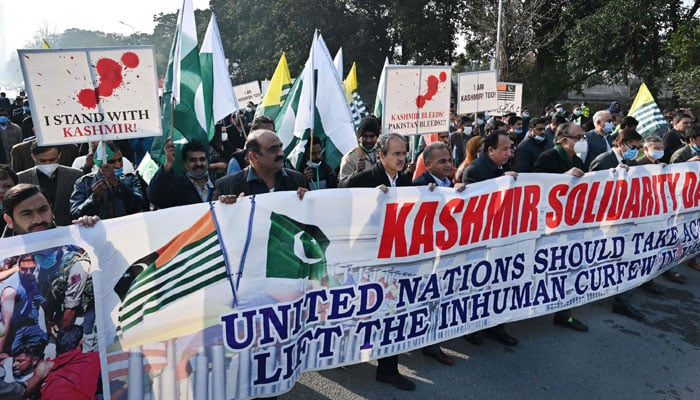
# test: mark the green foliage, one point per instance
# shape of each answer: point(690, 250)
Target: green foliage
point(685, 53)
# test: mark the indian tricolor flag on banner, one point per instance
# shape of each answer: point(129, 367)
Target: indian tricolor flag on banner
point(191, 261)
point(647, 112)
point(276, 93)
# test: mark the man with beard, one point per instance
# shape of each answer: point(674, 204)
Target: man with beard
point(27, 210)
point(170, 189)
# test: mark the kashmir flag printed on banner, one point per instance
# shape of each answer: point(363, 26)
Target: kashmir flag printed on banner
point(277, 92)
point(357, 105)
point(191, 261)
point(296, 250)
point(647, 112)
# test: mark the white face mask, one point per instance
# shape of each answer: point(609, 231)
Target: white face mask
point(467, 130)
point(47, 169)
point(581, 147)
point(657, 154)
point(224, 136)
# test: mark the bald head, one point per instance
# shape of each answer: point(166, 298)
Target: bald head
point(264, 150)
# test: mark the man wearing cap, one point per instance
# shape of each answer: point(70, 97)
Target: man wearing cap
point(364, 156)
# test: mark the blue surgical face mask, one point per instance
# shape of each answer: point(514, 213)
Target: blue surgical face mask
point(197, 176)
point(480, 121)
point(539, 139)
point(630, 154)
point(695, 147)
point(526, 115)
point(657, 154)
point(609, 127)
point(313, 165)
point(518, 131)
point(560, 110)
point(25, 109)
point(577, 113)
point(118, 172)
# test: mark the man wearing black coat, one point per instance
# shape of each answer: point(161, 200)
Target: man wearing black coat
point(532, 146)
point(386, 173)
point(266, 172)
point(673, 139)
point(170, 189)
point(624, 151)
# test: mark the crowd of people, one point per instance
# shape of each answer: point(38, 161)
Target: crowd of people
point(46, 186)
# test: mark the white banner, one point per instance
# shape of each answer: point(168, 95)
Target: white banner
point(248, 92)
point(92, 94)
point(417, 99)
point(510, 98)
point(242, 299)
point(476, 91)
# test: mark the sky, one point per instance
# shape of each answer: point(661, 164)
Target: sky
point(23, 18)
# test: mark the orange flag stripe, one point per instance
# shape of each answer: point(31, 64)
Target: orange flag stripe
point(200, 229)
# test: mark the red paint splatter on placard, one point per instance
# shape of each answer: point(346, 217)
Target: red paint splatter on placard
point(110, 78)
point(110, 73)
point(433, 86)
point(130, 59)
point(88, 98)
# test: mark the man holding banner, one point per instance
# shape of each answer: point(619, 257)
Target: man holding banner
point(385, 174)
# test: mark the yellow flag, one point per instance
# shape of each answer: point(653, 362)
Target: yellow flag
point(350, 83)
point(276, 93)
point(45, 44)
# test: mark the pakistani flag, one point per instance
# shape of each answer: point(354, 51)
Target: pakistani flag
point(317, 100)
point(381, 88)
point(102, 154)
point(357, 105)
point(647, 112)
point(296, 251)
point(183, 89)
point(192, 260)
point(220, 100)
point(277, 91)
point(338, 62)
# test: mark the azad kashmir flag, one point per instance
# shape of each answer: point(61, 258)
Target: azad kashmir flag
point(191, 261)
point(317, 100)
point(381, 88)
point(357, 105)
point(220, 100)
point(276, 94)
point(183, 90)
point(647, 112)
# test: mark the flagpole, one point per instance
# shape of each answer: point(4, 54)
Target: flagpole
point(172, 117)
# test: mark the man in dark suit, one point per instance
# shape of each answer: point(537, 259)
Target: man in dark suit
point(673, 139)
point(599, 139)
point(492, 163)
point(21, 155)
point(624, 151)
point(266, 172)
point(653, 151)
point(534, 143)
point(55, 181)
point(383, 175)
point(691, 151)
point(569, 139)
point(170, 189)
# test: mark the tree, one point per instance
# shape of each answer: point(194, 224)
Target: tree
point(685, 59)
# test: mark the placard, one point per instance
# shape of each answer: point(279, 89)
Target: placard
point(476, 91)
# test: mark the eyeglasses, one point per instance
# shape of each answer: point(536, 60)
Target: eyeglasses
point(116, 160)
point(274, 149)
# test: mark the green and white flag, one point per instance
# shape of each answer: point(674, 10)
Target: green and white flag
point(338, 62)
point(102, 154)
point(331, 118)
point(381, 88)
point(183, 87)
point(295, 250)
point(220, 100)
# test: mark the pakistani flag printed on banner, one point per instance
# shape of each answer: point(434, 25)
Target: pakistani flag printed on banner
point(296, 250)
point(191, 261)
point(647, 112)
